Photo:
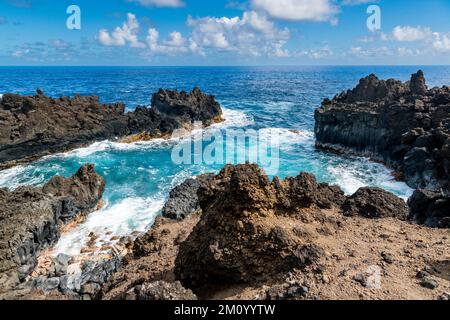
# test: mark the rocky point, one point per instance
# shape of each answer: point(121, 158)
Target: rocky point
point(406, 126)
point(35, 126)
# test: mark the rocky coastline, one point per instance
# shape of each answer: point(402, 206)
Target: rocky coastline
point(404, 125)
point(35, 126)
point(237, 234)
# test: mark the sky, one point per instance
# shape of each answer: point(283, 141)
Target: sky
point(224, 32)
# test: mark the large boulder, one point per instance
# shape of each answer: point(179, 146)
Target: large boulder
point(375, 203)
point(403, 125)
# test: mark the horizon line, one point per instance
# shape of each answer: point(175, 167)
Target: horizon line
point(229, 66)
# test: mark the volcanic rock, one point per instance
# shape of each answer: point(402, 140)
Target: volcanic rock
point(183, 199)
point(240, 237)
point(375, 203)
point(31, 217)
point(405, 125)
point(35, 126)
point(430, 208)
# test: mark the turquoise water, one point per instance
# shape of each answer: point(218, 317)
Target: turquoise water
point(140, 176)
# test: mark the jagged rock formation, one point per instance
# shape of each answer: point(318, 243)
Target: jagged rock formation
point(241, 236)
point(31, 217)
point(34, 126)
point(405, 125)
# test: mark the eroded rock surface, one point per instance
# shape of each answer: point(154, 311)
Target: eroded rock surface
point(183, 199)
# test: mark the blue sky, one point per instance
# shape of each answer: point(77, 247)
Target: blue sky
point(224, 32)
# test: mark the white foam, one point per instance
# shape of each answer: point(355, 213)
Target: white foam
point(118, 220)
point(363, 173)
point(1, 96)
point(234, 119)
point(287, 138)
point(18, 176)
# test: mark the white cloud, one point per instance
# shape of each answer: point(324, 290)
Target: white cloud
point(441, 42)
point(434, 41)
point(160, 3)
point(122, 35)
point(411, 34)
point(253, 34)
point(299, 10)
point(173, 45)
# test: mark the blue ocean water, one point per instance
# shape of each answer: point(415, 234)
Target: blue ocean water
point(140, 176)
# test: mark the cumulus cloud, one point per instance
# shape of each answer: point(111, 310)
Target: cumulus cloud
point(252, 34)
point(173, 45)
point(160, 3)
point(298, 10)
point(127, 34)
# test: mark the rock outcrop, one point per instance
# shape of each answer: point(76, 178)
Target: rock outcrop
point(405, 125)
point(241, 236)
point(35, 126)
point(31, 217)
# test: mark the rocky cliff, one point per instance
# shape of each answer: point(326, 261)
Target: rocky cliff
point(30, 219)
point(405, 125)
point(34, 126)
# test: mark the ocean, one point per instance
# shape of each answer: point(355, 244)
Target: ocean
point(140, 176)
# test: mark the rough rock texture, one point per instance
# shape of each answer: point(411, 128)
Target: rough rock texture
point(405, 125)
point(183, 199)
point(249, 227)
point(375, 203)
point(430, 208)
point(34, 126)
point(30, 218)
point(241, 237)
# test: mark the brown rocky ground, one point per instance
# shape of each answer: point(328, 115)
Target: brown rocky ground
point(304, 249)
